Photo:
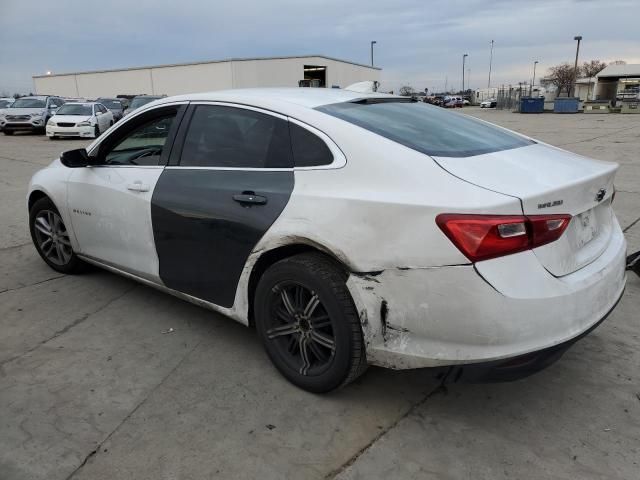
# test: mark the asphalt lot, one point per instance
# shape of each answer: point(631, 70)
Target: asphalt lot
point(90, 387)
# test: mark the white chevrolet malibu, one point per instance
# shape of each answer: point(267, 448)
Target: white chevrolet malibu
point(79, 120)
point(348, 228)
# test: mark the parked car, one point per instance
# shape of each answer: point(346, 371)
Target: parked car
point(79, 120)
point(141, 100)
point(490, 103)
point(5, 103)
point(29, 114)
point(343, 237)
point(453, 102)
point(114, 105)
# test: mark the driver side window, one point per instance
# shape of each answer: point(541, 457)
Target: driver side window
point(143, 145)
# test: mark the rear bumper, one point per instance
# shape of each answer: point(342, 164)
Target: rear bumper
point(518, 367)
point(495, 310)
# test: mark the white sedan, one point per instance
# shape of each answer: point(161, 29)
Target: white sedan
point(347, 228)
point(79, 120)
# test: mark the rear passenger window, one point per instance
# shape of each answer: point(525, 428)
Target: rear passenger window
point(234, 137)
point(309, 150)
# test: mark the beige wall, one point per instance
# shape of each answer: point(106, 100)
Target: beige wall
point(178, 79)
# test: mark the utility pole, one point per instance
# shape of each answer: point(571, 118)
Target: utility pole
point(464, 57)
point(575, 66)
point(490, 62)
point(373, 42)
point(533, 81)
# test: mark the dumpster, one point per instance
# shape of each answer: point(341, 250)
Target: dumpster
point(629, 106)
point(566, 105)
point(597, 106)
point(532, 105)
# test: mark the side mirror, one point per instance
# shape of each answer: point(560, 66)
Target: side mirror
point(75, 158)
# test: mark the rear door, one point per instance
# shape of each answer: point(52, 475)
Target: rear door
point(110, 203)
point(230, 178)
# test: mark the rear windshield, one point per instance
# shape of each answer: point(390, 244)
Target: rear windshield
point(111, 104)
point(140, 101)
point(427, 128)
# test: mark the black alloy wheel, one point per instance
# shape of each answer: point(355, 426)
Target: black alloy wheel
point(308, 323)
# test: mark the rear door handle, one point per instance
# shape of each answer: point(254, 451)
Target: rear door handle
point(249, 198)
point(138, 187)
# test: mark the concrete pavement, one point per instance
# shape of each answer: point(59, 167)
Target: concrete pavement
point(91, 387)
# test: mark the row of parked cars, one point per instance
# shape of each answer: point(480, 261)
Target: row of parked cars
point(66, 117)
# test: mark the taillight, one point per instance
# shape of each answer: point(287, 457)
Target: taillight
point(481, 237)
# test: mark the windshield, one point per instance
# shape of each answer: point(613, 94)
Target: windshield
point(29, 103)
point(140, 101)
point(75, 109)
point(111, 104)
point(5, 103)
point(426, 128)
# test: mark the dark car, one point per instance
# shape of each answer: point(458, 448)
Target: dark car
point(141, 100)
point(114, 105)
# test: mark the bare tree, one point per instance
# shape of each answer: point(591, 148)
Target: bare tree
point(592, 68)
point(406, 91)
point(561, 76)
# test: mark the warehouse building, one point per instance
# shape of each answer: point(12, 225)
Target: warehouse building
point(312, 70)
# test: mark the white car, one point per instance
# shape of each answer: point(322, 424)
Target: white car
point(348, 228)
point(490, 103)
point(79, 120)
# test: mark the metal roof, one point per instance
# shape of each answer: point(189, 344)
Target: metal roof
point(205, 62)
point(632, 70)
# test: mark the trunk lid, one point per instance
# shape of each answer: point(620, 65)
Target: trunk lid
point(548, 180)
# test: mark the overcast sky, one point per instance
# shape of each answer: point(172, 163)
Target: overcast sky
point(420, 43)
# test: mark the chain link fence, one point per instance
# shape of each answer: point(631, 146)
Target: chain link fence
point(508, 98)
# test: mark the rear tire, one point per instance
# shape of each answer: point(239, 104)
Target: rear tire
point(51, 238)
point(308, 324)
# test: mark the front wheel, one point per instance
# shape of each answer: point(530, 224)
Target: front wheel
point(51, 238)
point(8, 132)
point(96, 131)
point(308, 323)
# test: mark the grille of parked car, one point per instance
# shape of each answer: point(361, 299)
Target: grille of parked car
point(66, 124)
point(14, 118)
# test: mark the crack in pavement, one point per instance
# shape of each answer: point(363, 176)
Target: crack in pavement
point(132, 412)
point(624, 230)
point(23, 161)
point(2, 249)
point(68, 327)
point(439, 389)
point(32, 284)
point(599, 136)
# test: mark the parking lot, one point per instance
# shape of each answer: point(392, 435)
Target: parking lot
point(95, 385)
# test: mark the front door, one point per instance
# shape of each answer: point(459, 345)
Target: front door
point(110, 203)
point(232, 180)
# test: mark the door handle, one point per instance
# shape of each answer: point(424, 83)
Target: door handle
point(138, 187)
point(247, 199)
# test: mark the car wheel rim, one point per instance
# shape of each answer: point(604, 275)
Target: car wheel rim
point(52, 237)
point(301, 329)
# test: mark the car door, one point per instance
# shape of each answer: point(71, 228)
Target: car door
point(110, 202)
point(229, 178)
point(101, 118)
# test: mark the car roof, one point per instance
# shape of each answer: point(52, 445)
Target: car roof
point(305, 97)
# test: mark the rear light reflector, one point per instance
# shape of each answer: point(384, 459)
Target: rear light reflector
point(481, 237)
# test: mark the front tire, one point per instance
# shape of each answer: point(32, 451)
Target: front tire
point(8, 132)
point(96, 131)
point(51, 238)
point(308, 323)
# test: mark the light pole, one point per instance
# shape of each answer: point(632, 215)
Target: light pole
point(490, 62)
point(534, 78)
point(373, 42)
point(464, 57)
point(575, 66)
